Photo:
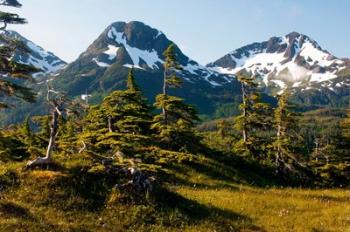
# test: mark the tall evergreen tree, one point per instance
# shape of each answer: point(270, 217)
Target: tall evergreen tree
point(11, 72)
point(130, 83)
point(287, 141)
point(175, 125)
point(254, 118)
point(171, 80)
point(121, 122)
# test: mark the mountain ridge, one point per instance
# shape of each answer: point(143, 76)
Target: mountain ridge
point(47, 62)
point(104, 65)
point(212, 89)
point(291, 61)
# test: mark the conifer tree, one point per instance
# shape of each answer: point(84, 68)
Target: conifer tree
point(345, 124)
point(171, 80)
point(121, 122)
point(286, 141)
point(11, 147)
point(254, 118)
point(130, 83)
point(43, 133)
point(26, 132)
point(175, 125)
point(10, 71)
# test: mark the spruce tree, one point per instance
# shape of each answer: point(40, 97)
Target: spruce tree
point(170, 79)
point(121, 122)
point(286, 141)
point(130, 83)
point(11, 72)
point(254, 119)
point(25, 131)
point(174, 126)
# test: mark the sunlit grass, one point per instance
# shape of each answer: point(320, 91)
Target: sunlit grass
point(281, 209)
point(209, 195)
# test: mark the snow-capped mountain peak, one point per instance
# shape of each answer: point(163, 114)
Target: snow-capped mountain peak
point(135, 44)
point(36, 56)
point(293, 60)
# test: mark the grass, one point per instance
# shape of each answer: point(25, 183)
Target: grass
point(280, 209)
point(210, 194)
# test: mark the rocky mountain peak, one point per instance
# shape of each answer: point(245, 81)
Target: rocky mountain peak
point(131, 44)
point(294, 60)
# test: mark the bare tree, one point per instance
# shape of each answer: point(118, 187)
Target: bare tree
point(57, 104)
point(60, 106)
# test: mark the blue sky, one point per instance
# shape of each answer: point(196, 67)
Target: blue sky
point(204, 29)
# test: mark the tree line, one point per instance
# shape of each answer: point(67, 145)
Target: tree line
point(126, 126)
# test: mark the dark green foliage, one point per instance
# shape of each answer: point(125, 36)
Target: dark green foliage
point(11, 147)
point(131, 84)
point(121, 122)
point(174, 126)
point(335, 174)
point(286, 142)
point(8, 179)
point(70, 129)
point(11, 72)
point(255, 118)
point(346, 126)
point(171, 65)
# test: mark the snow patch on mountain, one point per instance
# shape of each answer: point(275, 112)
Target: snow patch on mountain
point(112, 51)
point(101, 64)
point(159, 34)
point(151, 58)
point(292, 60)
point(132, 66)
point(36, 56)
point(207, 74)
point(314, 55)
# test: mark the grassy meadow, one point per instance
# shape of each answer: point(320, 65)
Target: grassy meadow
point(204, 195)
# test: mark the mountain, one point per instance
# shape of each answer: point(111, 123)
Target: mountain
point(316, 77)
point(293, 61)
point(103, 67)
point(36, 56)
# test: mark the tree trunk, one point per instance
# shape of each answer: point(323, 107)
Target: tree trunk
point(165, 93)
point(316, 149)
point(278, 155)
point(110, 129)
point(164, 81)
point(53, 134)
point(244, 131)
